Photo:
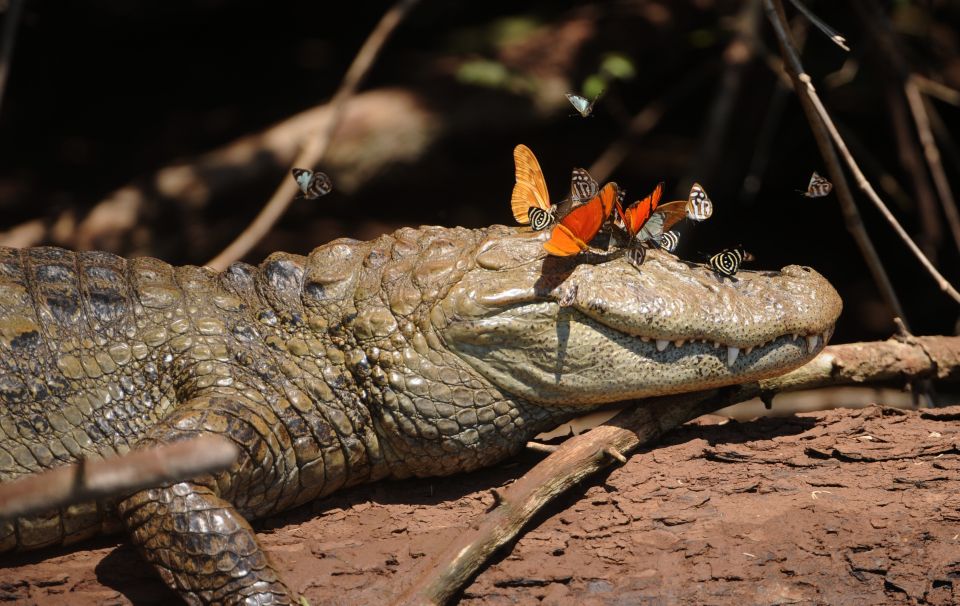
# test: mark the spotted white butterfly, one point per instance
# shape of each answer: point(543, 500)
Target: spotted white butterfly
point(312, 184)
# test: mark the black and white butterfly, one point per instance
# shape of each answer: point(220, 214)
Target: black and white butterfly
point(668, 241)
point(583, 105)
point(313, 184)
point(818, 187)
point(583, 188)
point(699, 204)
point(727, 263)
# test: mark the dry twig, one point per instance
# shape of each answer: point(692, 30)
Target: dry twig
point(824, 130)
point(90, 480)
point(581, 456)
point(316, 147)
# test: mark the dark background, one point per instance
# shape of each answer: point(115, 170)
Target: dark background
point(103, 94)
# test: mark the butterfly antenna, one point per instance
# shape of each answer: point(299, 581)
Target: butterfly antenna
point(828, 31)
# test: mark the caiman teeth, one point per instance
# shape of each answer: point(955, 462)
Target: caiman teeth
point(732, 353)
point(662, 344)
point(812, 342)
point(716, 344)
point(679, 342)
point(747, 351)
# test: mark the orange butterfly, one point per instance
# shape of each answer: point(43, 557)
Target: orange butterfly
point(647, 220)
point(575, 230)
point(530, 201)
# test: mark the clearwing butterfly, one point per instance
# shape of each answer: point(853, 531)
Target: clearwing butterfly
point(313, 184)
point(818, 187)
point(583, 106)
point(530, 200)
point(573, 232)
point(699, 205)
point(727, 263)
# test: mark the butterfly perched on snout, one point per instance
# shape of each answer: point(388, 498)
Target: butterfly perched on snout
point(727, 262)
point(312, 183)
point(647, 220)
point(573, 231)
point(818, 187)
point(530, 200)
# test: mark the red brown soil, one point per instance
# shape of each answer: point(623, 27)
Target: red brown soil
point(838, 507)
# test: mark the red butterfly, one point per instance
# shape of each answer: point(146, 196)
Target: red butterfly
point(645, 220)
point(572, 234)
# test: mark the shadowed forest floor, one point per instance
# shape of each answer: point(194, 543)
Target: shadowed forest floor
point(838, 507)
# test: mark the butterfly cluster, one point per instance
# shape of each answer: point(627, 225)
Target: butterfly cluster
point(588, 209)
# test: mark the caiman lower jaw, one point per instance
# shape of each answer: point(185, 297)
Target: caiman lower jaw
point(554, 355)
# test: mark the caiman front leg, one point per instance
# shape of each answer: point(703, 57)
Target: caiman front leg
point(193, 533)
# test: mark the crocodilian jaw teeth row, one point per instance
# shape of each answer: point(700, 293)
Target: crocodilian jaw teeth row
point(813, 341)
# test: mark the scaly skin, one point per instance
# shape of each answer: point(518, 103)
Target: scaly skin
point(422, 353)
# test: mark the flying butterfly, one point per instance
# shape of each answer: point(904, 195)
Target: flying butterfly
point(727, 263)
point(313, 184)
point(583, 106)
point(818, 187)
point(573, 232)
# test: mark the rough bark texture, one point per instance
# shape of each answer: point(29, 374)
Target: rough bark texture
point(845, 506)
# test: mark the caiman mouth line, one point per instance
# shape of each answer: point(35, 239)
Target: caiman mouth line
point(812, 342)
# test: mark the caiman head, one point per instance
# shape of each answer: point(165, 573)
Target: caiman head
point(436, 310)
point(581, 330)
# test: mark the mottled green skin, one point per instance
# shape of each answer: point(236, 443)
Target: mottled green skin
point(327, 371)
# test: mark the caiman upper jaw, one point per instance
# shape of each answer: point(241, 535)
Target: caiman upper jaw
point(564, 331)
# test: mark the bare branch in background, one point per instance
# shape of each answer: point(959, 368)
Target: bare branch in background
point(316, 147)
point(824, 130)
point(90, 480)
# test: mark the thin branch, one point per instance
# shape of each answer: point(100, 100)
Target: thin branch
point(90, 480)
point(316, 147)
point(822, 125)
point(582, 456)
point(933, 88)
point(10, 23)
point(932, 155)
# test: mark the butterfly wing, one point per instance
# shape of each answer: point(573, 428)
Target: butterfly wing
point(302, 177)
point(583, 187)
point(665, 217)
point(530, 190)
point(574, 231)
point(638, 213)
point(318, 186)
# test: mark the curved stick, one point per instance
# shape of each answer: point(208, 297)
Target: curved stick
point(314, 150)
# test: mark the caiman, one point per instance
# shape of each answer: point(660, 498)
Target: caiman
point(426, 352)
